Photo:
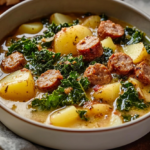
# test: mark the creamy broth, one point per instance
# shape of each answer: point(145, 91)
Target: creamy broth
point(111, 117)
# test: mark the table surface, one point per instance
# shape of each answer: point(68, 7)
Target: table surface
point(141, 144)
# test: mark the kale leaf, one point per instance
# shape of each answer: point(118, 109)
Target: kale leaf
point(69, 63)
point(104, 58)
point(147, 47)
point(131, 36)
point(24, 46)
point(83, 115)
point(127, 118)
point(103, 17)
point(59, 98)
point(130, 98)
point(41, 61)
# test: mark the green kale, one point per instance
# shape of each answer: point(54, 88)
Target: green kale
point(69, 63)
point(24, 46)
point(147, 47)
point(83, 115)
point(127, 118)
point(59, 98)
point(131, 36)
point(41, 61)
point(103, 17)
point(88, 14)
point(104, 58)
point(130, 98)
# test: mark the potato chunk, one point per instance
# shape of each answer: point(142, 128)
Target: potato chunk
point(18, 86)
point(65, 41)
point(136, 51)
point(30, 28)
point(108, 42)
point(92, 21)
point(61, 18)
point(115, 120)
point(108, 92)
point(99, 109)
point(64, 117)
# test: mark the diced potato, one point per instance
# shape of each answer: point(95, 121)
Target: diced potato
point(108, 92)
point(136, 51)
point(64, 117)
point(61, 18)
point(115, 120)
point(30, 28)
point(92, 21)
point(99, 109)
point(18, 86)
point(143, 90)
point(65, 41)
point(108, 42)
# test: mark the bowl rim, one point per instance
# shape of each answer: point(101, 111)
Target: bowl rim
point(63, 129)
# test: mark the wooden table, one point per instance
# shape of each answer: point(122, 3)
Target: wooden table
point(141, 144)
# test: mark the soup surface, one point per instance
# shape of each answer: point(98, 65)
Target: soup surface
point(76, 71)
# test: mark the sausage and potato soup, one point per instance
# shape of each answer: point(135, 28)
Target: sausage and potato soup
point(76, 71)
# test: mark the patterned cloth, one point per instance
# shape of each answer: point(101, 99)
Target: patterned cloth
point(10, 141)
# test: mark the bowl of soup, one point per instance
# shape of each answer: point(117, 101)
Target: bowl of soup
point(75, 74)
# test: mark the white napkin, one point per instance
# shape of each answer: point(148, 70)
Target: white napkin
point(10, 141)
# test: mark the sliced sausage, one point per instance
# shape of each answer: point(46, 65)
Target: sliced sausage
point(49, 80)
point(109, 28)
point(90, 48)
point(13, 62)
point(120, 63)
point(142, 72)
point(98, 74)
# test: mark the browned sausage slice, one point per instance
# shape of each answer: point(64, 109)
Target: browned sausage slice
point(49, 80)
point(90, 48)
point(98, 74)
point(109, 28)
point(142, 72)
point(120, 63)
point(13, 62)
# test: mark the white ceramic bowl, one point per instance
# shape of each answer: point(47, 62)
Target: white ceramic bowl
point(62, 138)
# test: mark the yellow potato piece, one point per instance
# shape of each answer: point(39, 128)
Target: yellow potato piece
point(58, 18)
point(64, 117)
point(136, 51)
point(115, 120)
point(99, 109)
point(65, 41)
point(30, 28)
point(108, 92)
point(18, 86)
point(92, 21)
point(108, 42)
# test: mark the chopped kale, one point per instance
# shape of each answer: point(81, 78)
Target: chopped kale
point(127, 118)
point(24, 46)
point(131, 36)
point(69, 63)
point(117, 77)
point(83, 115)
point(104, 58)
point(59, 98)
point(147, 47)
point(130, 98)
point(103, 17)
point(41, 61)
